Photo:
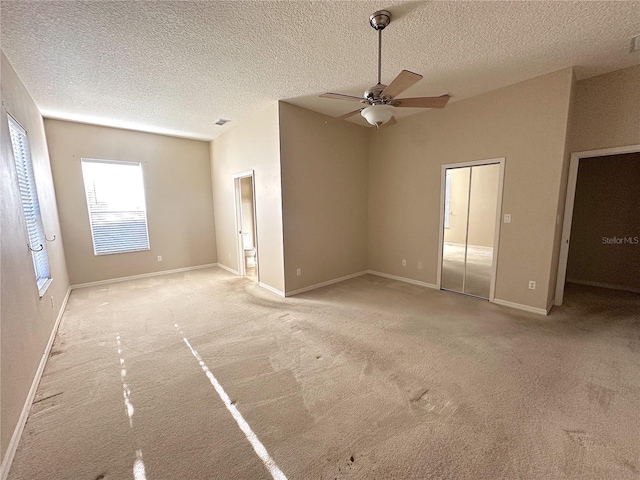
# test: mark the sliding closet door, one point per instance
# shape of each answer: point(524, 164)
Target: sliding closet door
point(455, 228)
point(483, 201)
point(471, 199)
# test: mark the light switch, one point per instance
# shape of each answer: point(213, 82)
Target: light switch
point(507, 218)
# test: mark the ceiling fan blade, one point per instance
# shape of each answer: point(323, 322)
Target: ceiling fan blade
point(347, 115)
point(392, 121)
point(340, 96)
point(422, 102)
point(403, 81)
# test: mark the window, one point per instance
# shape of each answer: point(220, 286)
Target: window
point(117, 211)
point(447, 198)
point(30, 205)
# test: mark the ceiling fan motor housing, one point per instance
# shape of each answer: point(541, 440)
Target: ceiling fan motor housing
point(373, 94)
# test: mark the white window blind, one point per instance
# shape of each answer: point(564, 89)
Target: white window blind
point(30, 204)
point(117, 211)
point(447, 198)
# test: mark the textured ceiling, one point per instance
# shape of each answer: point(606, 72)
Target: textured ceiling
point(176, 67)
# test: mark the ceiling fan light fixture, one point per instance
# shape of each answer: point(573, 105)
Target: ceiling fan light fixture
point(377, 115)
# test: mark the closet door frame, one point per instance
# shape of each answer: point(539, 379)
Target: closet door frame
point(496, 242)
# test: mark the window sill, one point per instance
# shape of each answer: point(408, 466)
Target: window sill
point(43, 289)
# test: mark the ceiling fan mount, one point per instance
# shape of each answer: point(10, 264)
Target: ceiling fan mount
point(380, 19)
point(381, 99)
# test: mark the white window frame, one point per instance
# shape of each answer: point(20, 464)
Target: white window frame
point(92, 222)
point(36, 237)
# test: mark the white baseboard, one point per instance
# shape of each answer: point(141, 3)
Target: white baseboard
point(550, 305)
point(403, 279)
point(324, 284)
point(261, 284)
point(623, 288)
point(271, 289)
point(519, 306)
point(145, 275)
point(228, 269)
point(505, 303)
point(22, 421)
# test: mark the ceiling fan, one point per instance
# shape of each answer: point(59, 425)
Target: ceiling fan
point(381, 99)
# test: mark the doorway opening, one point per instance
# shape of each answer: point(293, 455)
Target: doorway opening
point(600, 219)
point(470, 226)
point(247, 244)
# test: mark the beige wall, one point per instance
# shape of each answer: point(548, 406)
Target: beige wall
point(526, 123)
point(26, 321)
point(564, 175)
point(324, 191)
point(251, 145)
point(607, 111)
point(482, 216)
point(607, 205)
point(178, 193)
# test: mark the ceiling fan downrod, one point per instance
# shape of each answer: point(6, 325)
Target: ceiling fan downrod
point(379, 20)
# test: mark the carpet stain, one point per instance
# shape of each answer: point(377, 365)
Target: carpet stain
point(47, 403)
point(603, 396)
point(420, 395)
point(366, 370)
point(580, 438)
point(259, 302)
point(576, 446)
point(628, 465)
point(430, 401)
point(47, 398)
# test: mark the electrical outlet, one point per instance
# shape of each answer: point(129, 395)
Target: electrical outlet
point(159, 258)
point(404, 262)
point(532, 285)
point(419, 265)
point(299, 272)
point(507, 218)
point(52, 302)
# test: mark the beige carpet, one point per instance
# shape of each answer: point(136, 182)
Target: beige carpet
point(472, 276)
point(369, 378)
